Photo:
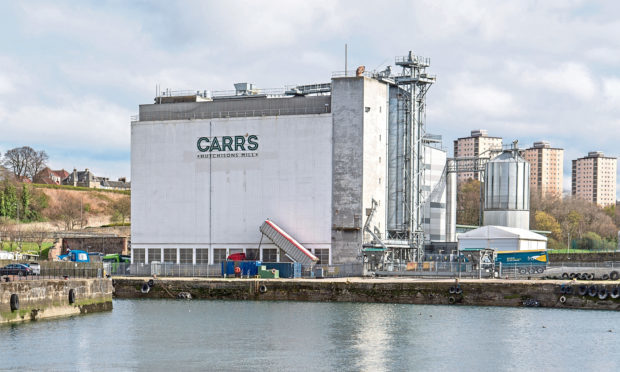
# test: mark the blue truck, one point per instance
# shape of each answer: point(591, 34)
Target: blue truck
point(79, 256)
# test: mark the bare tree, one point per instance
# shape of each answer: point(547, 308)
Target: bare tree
point(36, 164)
point(67, 213)
point(12, 235)
point(25, 161)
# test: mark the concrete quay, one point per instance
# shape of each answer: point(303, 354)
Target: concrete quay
point(472, 292)
point(26, 300)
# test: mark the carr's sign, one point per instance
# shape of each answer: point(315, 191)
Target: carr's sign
point(227, 147)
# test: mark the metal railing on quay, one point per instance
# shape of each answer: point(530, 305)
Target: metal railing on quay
point(51, 270)
point(603, 264)
point(520, 270)
point(162, 269)
point(332, 271)
point(432, 269)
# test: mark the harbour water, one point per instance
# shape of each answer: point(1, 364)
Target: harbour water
point(177, 335)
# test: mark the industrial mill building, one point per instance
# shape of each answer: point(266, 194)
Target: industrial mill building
point(330, 163)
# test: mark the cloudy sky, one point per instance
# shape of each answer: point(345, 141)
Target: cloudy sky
point(72, 73)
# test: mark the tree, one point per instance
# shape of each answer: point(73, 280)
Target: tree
point(25, 204)
point(122, 208)
point(67, 213)
point(10, 201)
point(38, 236)
point(468, 202)
point(575, 223)
point(545, 221)
point(25, 161)
point(17, 159)
point(36, 164)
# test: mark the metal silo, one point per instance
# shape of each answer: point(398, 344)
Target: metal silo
point(507, 191)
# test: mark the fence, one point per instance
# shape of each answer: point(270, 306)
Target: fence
point(520, 270)
point(604, 264)
point(464, 270)
point(164, 269)
point(51, 270)
point(435, 269)
point(332, 271)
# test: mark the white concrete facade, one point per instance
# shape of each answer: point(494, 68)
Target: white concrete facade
point(182, 200)
point(315, 175)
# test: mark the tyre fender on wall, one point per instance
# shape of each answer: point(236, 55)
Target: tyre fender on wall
point(14, 302)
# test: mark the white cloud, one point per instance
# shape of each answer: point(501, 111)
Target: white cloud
point(81, 125)
point(6, 85)
point(522, 69)
point(468, 98)
point(604, 55)
point(611, 92)
point(568, 78)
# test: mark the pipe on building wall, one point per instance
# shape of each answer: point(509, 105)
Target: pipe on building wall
point(451, 207)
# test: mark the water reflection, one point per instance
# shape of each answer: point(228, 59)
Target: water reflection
point(237, 335)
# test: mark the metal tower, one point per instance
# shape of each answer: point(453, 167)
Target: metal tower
point(414, 83)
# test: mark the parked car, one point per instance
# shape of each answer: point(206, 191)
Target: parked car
point(36, 268)
point(16, 269)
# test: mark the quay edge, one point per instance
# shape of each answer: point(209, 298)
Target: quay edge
point(512, 293)
point(50, 298)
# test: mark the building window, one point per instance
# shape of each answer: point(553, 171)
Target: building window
point(185, 255)
point(219, 255)
point(233, 251)
point(270, 255)
point(138, 255)
point(154, 255)
point(284, 257)
point(170, 255)
point(322, 255)
point(252, 254)
point(202, 256)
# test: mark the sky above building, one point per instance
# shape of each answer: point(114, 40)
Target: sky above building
point(73, 73)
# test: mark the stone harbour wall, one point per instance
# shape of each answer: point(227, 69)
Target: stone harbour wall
point(514, 293)
point(46, 298)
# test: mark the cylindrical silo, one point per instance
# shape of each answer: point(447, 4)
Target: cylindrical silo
point(507, 191)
